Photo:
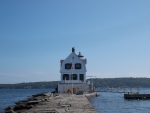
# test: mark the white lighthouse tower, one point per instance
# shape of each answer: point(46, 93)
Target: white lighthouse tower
point(73, 74)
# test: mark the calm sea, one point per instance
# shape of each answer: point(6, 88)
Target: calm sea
point(10, 96)
point(106, 103)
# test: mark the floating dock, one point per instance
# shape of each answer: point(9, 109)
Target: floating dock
point(53, 103)
point(136, 96)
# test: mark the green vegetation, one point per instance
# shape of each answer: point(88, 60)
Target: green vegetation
point(121, 82)
point(30, 85)
point(98, 82)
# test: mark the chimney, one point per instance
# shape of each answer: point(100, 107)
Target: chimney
point(79, 55)
point(73, 49)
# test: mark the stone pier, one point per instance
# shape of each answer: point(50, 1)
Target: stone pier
point(53, 103)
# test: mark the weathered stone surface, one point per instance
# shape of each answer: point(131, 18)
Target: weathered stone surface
point(32, 102)
point(54, 103)
point(64, 103)
point(20, 107)
point(8, 108)
point(89, 95)
point(40, 94)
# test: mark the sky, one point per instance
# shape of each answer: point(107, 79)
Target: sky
point(113, 35)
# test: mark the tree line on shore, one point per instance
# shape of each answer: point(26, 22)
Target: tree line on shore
point(97, 82)
point(121, 82)
point(30, 85)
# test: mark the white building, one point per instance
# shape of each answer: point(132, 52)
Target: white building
point(73, 74)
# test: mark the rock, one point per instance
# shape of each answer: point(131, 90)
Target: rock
point(20, 107)
point(21, 102)
point(8, 108)
point(40, 94)
point(32, 102)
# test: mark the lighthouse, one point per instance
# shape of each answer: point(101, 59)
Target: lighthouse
point(73, 74)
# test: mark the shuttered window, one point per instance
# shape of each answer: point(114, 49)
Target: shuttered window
point(74, 77)
point(65, 76)
point(81, 77)
point(68, 66)
point(77, 66)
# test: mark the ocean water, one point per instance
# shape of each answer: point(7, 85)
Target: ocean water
point(109, 102)
point(10, 96)
point(106, 103)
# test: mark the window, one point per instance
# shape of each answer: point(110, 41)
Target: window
point(74, 77)
point(68, 66)
point(65, 77)
point(77, 66)
point(82, 77)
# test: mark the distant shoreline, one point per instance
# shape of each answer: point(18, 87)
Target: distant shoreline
point(98, 82)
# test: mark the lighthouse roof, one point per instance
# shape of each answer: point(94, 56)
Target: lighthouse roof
point(74, 59)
